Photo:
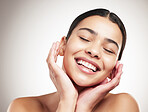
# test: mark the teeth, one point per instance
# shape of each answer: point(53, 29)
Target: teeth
point(86, 64)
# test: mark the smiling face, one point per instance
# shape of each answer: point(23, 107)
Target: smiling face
point(92, 50)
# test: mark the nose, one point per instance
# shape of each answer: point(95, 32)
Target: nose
point(93, 52)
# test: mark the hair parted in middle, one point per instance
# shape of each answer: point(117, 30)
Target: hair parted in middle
point(103, 13)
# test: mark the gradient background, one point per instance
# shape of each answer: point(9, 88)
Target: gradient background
point(29, 27)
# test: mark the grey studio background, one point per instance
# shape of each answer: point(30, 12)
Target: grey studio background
point(29, 27)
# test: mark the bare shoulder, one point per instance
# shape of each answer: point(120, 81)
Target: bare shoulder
point(27, 104)
point(123, 102)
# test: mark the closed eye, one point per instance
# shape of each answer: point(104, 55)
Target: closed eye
point(84, 39)
point(109, 51)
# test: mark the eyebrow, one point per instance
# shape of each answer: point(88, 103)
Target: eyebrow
point(95, 33)
point(112, 41)
point(89, 30)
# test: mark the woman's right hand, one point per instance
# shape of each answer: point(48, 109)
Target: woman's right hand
point(65, 87)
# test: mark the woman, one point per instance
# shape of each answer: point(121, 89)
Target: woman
point(91, 50)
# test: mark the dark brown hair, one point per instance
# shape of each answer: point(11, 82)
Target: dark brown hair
point(104, 13)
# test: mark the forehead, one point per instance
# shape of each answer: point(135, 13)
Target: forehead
point(103, 26)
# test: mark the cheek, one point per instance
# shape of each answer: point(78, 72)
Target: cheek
point(73, 46)
point(70, 50)
point(109, 63)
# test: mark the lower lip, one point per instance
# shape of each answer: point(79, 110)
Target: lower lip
point(85, 70)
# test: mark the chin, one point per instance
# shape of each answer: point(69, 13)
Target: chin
point(84, 83)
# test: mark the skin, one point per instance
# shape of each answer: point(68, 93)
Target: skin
point(98, 40)
point(77, 47)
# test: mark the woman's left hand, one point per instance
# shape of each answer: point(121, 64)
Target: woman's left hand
point(91, 96)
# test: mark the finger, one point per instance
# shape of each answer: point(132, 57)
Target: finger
point(104, 81)
point(50, 53)
point(52, 57)
point(57, 47)
point(113, 83)
point(112, 74)
point(117, 74)
point(115, 68)
point(107, 86)
point(56, 51)
point(53, 52)
point(118, 69)
point(117, 64)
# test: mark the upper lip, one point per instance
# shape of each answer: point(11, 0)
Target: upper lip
point(89, 61)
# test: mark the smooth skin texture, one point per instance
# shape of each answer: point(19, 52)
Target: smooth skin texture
point(95, 40)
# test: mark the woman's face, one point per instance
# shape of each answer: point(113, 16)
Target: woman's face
point(92, 50)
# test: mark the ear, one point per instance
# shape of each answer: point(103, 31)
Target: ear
point(112, 73)
point(62, 46)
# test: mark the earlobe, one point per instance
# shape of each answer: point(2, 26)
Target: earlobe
point(112, 73)
point(62, 46)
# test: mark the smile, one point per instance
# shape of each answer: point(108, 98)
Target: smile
point(86, 65)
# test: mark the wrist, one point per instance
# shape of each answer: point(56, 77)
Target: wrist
point(67, 104)
point(69, 96)
point(82, 108)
